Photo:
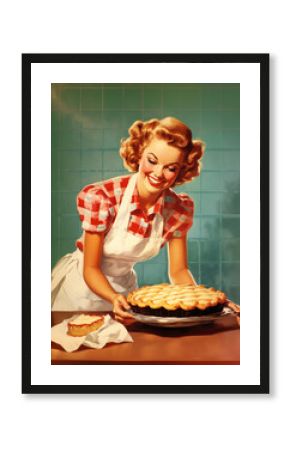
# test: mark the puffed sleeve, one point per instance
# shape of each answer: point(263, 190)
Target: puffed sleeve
point(184, 215)
point(95, 209)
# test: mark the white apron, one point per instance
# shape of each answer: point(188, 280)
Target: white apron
point(121, 251)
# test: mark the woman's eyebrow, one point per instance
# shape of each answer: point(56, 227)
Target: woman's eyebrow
point(169, 164)
point(153, 155)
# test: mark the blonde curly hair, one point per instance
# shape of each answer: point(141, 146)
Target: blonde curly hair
point(175, 133)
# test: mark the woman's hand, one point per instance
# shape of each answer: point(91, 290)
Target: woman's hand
point(236, 309)
point(120, 306)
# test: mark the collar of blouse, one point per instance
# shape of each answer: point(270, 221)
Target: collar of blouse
point(136, 207)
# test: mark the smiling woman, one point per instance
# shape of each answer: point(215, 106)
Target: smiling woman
point(158, 169)
point(128, 219)
point(169, 131)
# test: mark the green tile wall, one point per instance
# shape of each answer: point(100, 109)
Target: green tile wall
point(88, 121)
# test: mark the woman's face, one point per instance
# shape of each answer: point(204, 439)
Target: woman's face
point(159, 166)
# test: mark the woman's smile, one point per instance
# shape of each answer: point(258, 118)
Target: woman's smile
point(155, 182)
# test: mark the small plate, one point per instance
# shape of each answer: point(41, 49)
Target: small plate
point(179, 322)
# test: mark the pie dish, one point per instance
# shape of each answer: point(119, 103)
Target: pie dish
point(182, 322)
point(84, 324)
point(179, 301)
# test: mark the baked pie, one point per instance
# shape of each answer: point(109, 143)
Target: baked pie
point(182, 300)
point(84, 324)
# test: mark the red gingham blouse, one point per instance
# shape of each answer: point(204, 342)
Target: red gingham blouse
point(98, 205)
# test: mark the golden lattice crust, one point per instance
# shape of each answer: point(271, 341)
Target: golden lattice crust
point(172, 297)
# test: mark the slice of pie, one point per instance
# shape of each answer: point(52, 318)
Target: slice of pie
point(182, 300)
point(84, 324)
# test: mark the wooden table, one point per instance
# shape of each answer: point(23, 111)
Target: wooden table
point(215, 343)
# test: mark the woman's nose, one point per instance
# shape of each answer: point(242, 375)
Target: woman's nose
point(158, 170)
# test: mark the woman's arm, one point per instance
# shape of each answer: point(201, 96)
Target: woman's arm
point(178, 271)
point(94, 277)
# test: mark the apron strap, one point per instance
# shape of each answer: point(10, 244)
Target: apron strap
point(123, 215)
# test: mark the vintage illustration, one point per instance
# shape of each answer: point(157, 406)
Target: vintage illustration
point(145, 223)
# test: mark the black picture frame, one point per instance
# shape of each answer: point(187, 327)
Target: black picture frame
point(263, 61)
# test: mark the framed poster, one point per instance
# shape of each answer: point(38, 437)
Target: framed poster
point(80, 113)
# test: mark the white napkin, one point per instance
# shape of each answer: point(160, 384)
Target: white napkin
point(110, 331)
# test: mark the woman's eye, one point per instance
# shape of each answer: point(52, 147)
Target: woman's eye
point(172, 169)
point(151, 161)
